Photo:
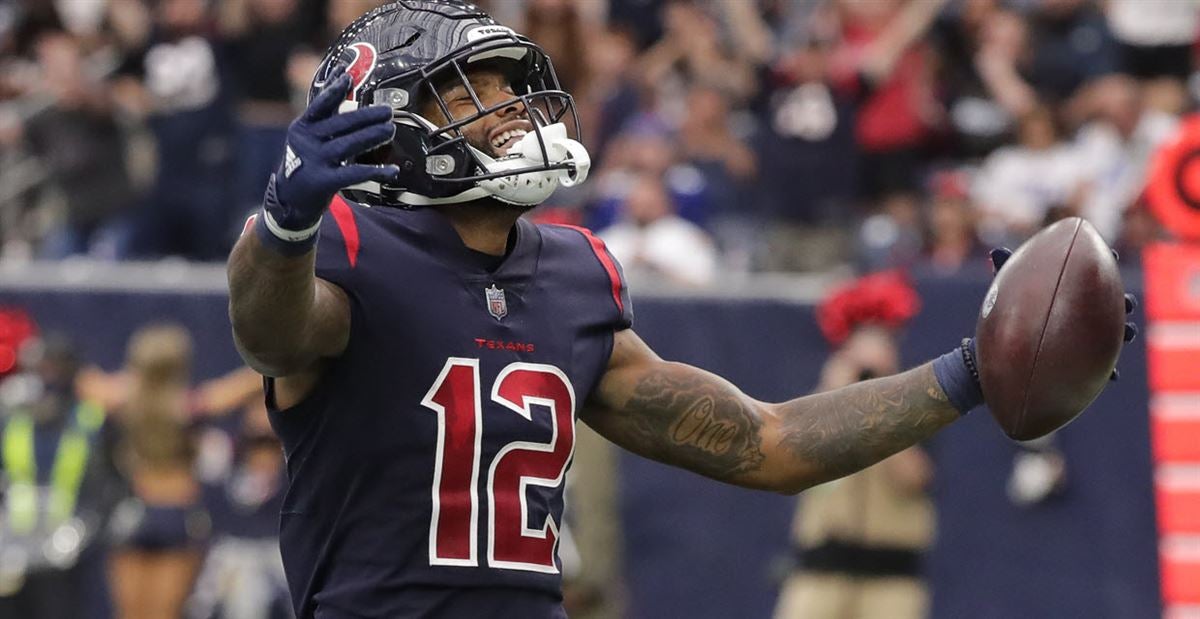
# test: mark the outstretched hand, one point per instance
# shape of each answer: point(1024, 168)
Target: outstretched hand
point(319, 143)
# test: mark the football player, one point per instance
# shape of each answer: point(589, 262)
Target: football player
point(428, 350)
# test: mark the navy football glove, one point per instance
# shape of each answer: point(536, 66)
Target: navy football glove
point(314, 168)
point(1130, 328)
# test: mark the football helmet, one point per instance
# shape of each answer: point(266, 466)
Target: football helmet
point(400, 54)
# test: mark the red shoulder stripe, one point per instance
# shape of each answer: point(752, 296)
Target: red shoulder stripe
point(606, 261)
point(344, 217)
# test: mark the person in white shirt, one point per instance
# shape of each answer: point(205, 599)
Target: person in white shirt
point(651, 238)
point(1114, 150)
point(1156, 36)
point(1019, 184)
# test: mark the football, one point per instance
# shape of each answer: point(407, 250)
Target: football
point(1050, 329)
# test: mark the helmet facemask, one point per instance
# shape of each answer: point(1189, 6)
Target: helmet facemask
point(440, 165)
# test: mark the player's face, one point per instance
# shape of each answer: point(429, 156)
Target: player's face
point(493, 134)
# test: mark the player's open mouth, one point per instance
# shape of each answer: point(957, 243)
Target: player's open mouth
point(508, 134)
point(508, 138)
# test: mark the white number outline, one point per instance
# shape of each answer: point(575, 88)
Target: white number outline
point(524, 409)
point(427, 401)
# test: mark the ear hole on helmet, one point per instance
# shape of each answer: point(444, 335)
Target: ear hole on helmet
point(376, 156)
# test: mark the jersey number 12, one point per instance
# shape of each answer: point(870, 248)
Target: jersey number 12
point(453, 529)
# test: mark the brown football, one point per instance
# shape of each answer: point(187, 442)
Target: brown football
point(1050, 329)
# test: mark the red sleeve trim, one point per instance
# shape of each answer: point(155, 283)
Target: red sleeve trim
point(344, 217)
point(249, 225)
point(606, 261)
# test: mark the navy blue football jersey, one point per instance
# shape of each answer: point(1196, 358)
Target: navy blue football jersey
point(426, 469)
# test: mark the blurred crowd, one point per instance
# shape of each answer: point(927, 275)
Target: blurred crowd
point(726, 135)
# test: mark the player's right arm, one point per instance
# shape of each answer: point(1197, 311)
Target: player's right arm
point(689, 418)
point(285, 318)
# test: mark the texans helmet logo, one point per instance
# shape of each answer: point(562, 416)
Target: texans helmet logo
point(360, 68)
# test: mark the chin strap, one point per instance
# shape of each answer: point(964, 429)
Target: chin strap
point(532, 188)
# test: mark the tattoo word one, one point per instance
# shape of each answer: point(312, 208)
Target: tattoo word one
point(696, 422)
point(699, 427)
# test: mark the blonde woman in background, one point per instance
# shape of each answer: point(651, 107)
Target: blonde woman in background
point(159, 531)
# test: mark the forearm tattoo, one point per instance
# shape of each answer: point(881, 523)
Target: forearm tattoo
point(693, 420)
point(846, 430)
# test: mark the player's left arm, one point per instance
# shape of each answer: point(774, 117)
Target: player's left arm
point(687, 417)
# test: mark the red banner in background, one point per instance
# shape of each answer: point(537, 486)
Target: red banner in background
point(1173, 186)
point(1172, 277)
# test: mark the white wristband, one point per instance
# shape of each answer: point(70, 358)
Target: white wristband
point(291, 236)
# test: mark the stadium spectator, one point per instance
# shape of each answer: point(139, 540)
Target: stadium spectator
point(262, 36)
point(83, 147)
point(807, 155)
point(642, 19)
point(893, 236)
point(1018, 185)
point(557, 26)
point(951, 241)
point(242, 576)
point(646, 150)
point(1155, 36)
point(1114, 150)
point(611, 95)
point(859, 540)
point(692, 50)
point(159, 531)
point(652, 239)
point(885, 64)
point(807, 152)
point(1071, 46)
point(708, 142)
point(985, 61)
point(173, 75)
point(59, 485)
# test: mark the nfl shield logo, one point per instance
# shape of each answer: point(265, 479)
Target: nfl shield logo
point(497, 306)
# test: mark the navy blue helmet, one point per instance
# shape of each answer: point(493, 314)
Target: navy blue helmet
point(402, 53)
